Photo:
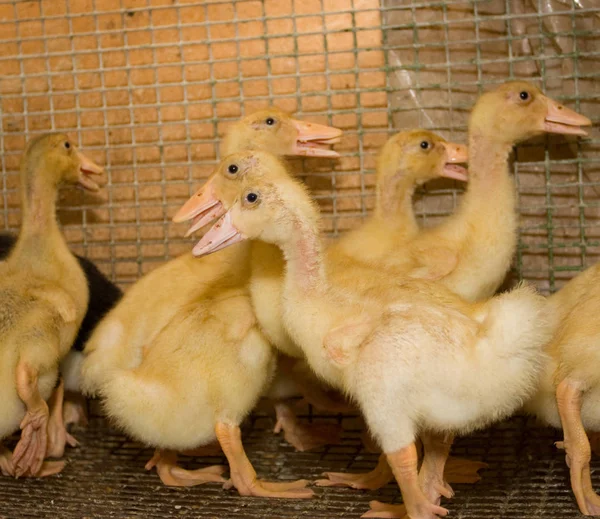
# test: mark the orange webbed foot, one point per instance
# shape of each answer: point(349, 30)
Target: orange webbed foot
point(30, 451)
point(460, 470)
point(174, 476)
point(386, 511)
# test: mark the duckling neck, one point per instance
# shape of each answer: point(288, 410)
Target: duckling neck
point(394, 205)
point(39, 229)
point(490, 183)
point(308, 312)
point(305, 271)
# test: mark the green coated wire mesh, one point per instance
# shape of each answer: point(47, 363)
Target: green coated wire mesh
point(147, 86)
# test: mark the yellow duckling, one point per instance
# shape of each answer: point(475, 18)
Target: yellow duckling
point(44, 296)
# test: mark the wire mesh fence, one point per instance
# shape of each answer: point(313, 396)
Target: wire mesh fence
point(148, 86)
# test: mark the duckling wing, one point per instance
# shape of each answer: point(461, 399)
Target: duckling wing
point(342, 342)
point(62, 302)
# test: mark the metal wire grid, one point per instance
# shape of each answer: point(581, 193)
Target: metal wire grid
point(527, 478)
point(148, 85)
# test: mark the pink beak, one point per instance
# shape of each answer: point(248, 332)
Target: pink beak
point(221, 235)
point(313, 139)
point(202, 208)
point(563, 120)
point(87, 168)
point(455, 153)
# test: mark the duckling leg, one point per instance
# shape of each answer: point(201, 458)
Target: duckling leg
point(30, 451)
point(172, 475)
point(431, 476)
point(243, 475)
point(404, 464)
point(577, 446)
point(58, 435)
point(304, 437)
point(377, 478)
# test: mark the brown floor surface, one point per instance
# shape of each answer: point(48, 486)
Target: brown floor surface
point(105, 478)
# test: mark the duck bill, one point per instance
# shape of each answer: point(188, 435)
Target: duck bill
point(88, 168)
point(312, 140)
point(221, 235)
point(202, 208)
point(563, 120)
point(455, 154)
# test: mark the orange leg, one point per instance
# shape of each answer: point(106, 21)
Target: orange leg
point(58, 436)
point(577, 447)
point(31, 449)
point(431, 476)
point(404, 466)
point(304, 437)
point(456, 470)
point(243, 475)
point(377, 478)
point(172, 475)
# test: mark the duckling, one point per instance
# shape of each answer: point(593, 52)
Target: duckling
point(154, 300)
point(44, 299)
point(407, 160)
point(417, 359)
point(104, 294)
point(567, 397)
point(471, 251)
point(200, 377)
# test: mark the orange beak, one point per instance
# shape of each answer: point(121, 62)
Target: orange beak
point(563, 120)
point(455, 154)
point(221, 235)
point(87, 168)
point(202, 208)
point(313, 139)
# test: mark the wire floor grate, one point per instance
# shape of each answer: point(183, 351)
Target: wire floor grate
point(527, 478)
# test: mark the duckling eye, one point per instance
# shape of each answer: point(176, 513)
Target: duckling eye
point(251, 197)
point(270, 121)
point(524, 95)
point(424, 145)
point(232, 169)
point(67, 144)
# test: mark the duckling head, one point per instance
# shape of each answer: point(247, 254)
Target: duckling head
point(261, 201)
point(221, 189)
point(419, 156)
point(275, 131)
point(518, 110)
point(59, 160)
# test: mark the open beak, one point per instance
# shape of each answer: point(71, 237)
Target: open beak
point(455, 154)
point(202, 208)
point(87, 168)
point(222, 234)
point(313, 140)
point(563, 120)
